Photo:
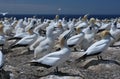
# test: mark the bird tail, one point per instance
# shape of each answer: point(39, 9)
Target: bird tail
point(12, 38)
point(82, 57)
point(36, 63)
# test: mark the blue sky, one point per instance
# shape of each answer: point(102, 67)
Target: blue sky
point(67, 6)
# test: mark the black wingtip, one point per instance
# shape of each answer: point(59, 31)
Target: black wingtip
point(13, 38)
point(81, 58)
point(18, 45)
point(71, 45)
point(39, 64)
point(100, 30)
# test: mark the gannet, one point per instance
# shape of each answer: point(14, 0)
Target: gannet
point(84, 22)
point(115, 32)
point(64, 24)
point(54, 59)
point(7, 27)
point(40, 38)
point(31, 24)
point(5, 13)
point(1, 60)
point(26, 41)
point(58, 29)
point(75, 40)
point(1, 64)
point(19, 28)
point(2, 37)
point(42, 26)
point(89, 32)
point(105, 26)
point(47, 44)
point(99, 46)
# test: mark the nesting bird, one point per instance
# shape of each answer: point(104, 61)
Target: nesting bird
point(54, 59)
point(47, 44)
point(76, 40)
point(2, 37)
point(26, 41)
point(1, 64)
point(99, 46)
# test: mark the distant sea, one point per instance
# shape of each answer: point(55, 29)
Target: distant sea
point(51, 16)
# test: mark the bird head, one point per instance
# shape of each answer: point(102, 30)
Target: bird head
point(106, 33)
point(92, 20)
point(63, 37)
point(57, 17)
point(30, 31)
point(85, 17)
point(59, 25)
point(1, 26)
point(78, 29)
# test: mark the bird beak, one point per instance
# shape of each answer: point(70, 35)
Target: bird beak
point(112, 36)
point(118, 28)
point(75, 29)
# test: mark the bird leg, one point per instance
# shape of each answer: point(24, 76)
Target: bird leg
point(2, 48)
point(1, 75)
point(56, 70)
point(83, 58)
point(99, 57)
point(75, 49)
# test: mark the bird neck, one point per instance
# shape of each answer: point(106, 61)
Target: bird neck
point(1, 32)
point(107, 37)
point(63, 43)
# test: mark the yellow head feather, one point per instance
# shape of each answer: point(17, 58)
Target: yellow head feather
point(104, 33)
point(85, 17)
point(30, 31)
point(61, 40)
point(60, 25)
point(78, 29)
point(1, 27)
point(57, 17)
point(92, 20)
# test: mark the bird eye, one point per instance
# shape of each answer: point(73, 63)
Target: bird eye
point(34, 22)
point(90, 28)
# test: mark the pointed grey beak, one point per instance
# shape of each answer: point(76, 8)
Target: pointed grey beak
point(112, 36)
point(118, 28)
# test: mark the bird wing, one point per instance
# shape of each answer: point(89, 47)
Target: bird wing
point(25, 40)
point(49, 60)
point(1, 59)
point(96, 47)
point(74, 40)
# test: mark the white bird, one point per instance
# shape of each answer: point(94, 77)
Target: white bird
point(31, 24)
point(2, 37)
point(7, 27)
point(105, 26)
point(19, 31)
point(75, 40)
point(26, 41)
point(42, 26)
point(58, 57)
point(90, 32)
point(58, 29)
point(2, 41)
point(47, 44)
point(99, 46)
point(1, 60)
point(84, 22)
point(115, 32)
point(1, 65)
point(4, 13)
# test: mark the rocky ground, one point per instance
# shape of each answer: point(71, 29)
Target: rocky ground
point(16, 64)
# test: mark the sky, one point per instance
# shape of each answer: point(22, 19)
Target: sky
point(67, 6)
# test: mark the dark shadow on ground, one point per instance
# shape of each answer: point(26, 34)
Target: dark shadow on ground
point(96, 62)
